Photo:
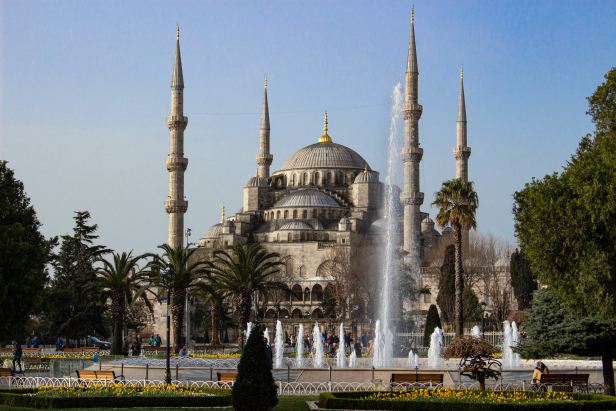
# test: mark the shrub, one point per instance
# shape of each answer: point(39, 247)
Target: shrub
point(432, 321)
point(254, 388)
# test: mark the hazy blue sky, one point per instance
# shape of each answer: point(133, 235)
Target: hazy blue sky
point(86, 90)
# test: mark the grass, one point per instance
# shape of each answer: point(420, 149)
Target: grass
point(287, 403)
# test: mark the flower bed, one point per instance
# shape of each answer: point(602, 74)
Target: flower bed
point(116, 396)
point(435, 400)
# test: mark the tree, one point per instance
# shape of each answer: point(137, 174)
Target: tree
point(457, 203)
point(432, 321)
point(565, 221)
point(187, 275)
point(215, 296)
point(447, 285)
point(24, 254)
point(522, 280)
point(124, 283)
point(73, 308)
point(255, 388)
point(245, 270)
point(551, 329)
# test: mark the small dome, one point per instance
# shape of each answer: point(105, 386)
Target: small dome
point(427, 220)
point(296, 225)
point(307, 198)
point(448, 230)
point(345, 220)
point(228, 223)
point(257, 182)
point(367, 177)
point(214, 231)
point(318, 226)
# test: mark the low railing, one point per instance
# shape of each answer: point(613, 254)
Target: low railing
point(294, 388)
point(493, 337)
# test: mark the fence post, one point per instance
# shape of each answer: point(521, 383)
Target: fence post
point(122, 370)
point(330, 372)
point(280, 386)
point(372, 372)
point(329, 385)
point(523, 385)
point(288, 373)
point(147, 371)
point(10, 382)
point(100, 365)
point(211, 373)
point(177, 369)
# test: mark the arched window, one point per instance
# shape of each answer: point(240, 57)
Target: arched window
point(297, 289)
point(289, 237)
point(317, 293)
point(286, 214)
point(323, 213)
point(266, 238)
point(314, 214)
point(278, 215)
point(294, 180)
point(329, 179)
point(302, 271)
point(317, 179)
point(305, 214)
point(294, 213)
point(306, 182)
point(278, 237)
point(297, 313)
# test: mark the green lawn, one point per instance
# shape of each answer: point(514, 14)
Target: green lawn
point(287, 403)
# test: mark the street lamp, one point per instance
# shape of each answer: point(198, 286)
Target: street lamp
point(243, 307)
point(204, 329)
point(169, 279)
point(483, 310)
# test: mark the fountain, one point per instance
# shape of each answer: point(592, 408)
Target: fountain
point(318, 355)
point(279, 342)
point(353, 359)
point(248, 330)
point(267, 335)
point(476, 332)
point(510, 359)
point(413, 360)
point(340, 357)
point(377, 347)
point(299, 351)
point(434, 352)
point(516, 339)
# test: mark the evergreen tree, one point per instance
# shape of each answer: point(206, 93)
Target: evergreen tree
point(446, 297)
point(226, 341)
point(73, 308)
point(24, 254)
point(432, 321)
point(522, 280)
point(470, 301)
point(255, 388)
point(551, 329)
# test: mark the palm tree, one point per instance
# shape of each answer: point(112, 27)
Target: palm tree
point(457, 202)
point(215, 296)
point(187, 275)
point(245, 270)
point(125, 283)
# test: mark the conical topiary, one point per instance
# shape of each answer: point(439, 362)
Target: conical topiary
point(226, 337)
point(207, 337)
point(432, 321)
point(255, 388)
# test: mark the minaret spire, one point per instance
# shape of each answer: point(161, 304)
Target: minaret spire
point(412, 154)
point(462, 152)
point(325, 138)
point(264, 158)
point(175, 205)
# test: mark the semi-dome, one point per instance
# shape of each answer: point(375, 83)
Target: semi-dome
point(325, 155)
point(307, 198)
point(214, 231)
point(257, 182)
point(427, 220)
point(296, 225)
point(448, 230)
point(367, 177)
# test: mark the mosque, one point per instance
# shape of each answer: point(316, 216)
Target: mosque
point(325, 196)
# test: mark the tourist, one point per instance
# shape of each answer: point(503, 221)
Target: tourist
point(152, 341)
point(17, 355)
point(363, 339)
point(370, 348)
point(136, 347)
point(35, 343)
point(139, 339)
point(332, 350)
point(541, 368)
point(158, 340)
point(268, 351)
point(183, 352)
point(125, 347)
point(60, 344)
point(28, 342)
point(357, 348)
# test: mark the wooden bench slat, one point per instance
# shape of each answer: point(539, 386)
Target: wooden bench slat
point(5, 372)
point(226, 376)
point(422, 378)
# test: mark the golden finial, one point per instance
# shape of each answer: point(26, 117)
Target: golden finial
point(178, 31)
point(266, 81)
point(462, 72)
point(257, 173)
point(223, 213)
point(413, 14)
point(325, 138)
point(366, 169)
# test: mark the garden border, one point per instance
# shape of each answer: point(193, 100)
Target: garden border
point(350, 401)
point(15, 397)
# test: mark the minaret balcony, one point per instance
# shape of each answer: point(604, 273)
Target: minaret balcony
point(264, 159)
point(461, 153)
point(413, 198)
point(176, 206)
point(411, 154)
point(176, 163)
point(177, 122)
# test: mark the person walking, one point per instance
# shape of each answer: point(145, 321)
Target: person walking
point(17, 355)
point(60, 344)
point(35, 342)
point(152, 341)
point(357, 348)
point(28, 342)
point(158, 340)
point(136, 347)
point(268, 351)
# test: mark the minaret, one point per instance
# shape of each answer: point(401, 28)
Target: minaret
point(264, 158)
point(462, 152)
point(412, 198)
point(175, 205)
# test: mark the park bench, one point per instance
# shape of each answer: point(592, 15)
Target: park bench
point(417, 379)
point(90, 349)
point(226, 376)
point(566, 382)
point(6, 372)
point(6, 351)
point(209, 347)
point(154, 349)
point(30, 350)
point(33, 362)
point(92, 375)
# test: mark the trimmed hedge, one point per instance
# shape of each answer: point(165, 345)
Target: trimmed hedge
point(16, 398)
point(352, 401)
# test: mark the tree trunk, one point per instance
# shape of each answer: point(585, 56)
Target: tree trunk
point(608, 368)
point(118, 307)
point(482, 382)
point(215, 319)
point(243, 319)
point(459, 307)
point(178, 302)
point(116, 343)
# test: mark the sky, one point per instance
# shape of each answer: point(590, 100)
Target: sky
point(85, 92)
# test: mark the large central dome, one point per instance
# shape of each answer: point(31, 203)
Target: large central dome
point(325, 155)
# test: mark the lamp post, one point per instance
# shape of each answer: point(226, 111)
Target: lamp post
point(204, 329)
point(169, 279)
point(187, 307)
point(213, 312)
point(243, 307)
point(483, 310)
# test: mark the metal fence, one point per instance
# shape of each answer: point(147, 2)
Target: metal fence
point(494, 338)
